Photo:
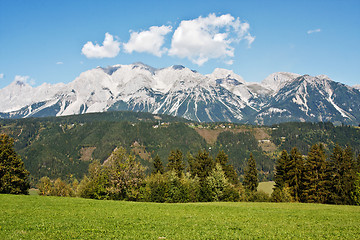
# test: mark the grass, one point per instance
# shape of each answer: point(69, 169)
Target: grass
point(38, 217)
point(266, 187)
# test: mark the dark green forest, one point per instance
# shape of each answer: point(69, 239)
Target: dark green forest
point(65, 146)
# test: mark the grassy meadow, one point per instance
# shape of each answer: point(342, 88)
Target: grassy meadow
point(266, 187)
point(39, 217)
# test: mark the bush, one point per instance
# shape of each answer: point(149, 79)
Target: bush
point(155, 188)
point(219, 186)
point(168, 187)
point(281, 195)
point(356, 193)
point(257, 196)
point(58, 187)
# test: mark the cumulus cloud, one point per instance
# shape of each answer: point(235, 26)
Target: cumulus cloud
point(150, 41)
point(209, 37)
point(59, 63)
point(109, 49)
point(24, 79)
point(1, 75)
point(314, 31)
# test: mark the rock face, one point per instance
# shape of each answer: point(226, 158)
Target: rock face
point(179, 91)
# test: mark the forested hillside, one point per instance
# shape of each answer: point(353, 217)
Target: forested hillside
point(304, 135)
point(65, 146)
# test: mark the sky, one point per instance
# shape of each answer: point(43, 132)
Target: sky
point(54, 41)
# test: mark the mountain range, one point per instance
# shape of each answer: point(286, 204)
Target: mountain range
point(179, 91)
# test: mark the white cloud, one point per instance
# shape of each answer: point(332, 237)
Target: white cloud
point(24, 79)
point(209, 37)
point(314, 31)
point(109, 49)
point(150, 41)
point(59, 63)
point(1, 75)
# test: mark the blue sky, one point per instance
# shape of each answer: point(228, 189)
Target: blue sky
point(54, 41)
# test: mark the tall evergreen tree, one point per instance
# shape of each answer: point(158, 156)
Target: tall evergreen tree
point(280, 169)
point(158, 166)
point(344, 175)
point(13, 175)
point(251, 180)
point(350, 175)
point(314, 177)
point(201, 165)
point(176, 162)
point(294, 169)
point(230, 173)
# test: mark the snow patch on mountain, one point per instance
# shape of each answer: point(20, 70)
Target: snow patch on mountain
point(277, 80)
point(180, 91)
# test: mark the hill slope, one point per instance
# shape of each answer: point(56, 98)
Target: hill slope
point(64, 147)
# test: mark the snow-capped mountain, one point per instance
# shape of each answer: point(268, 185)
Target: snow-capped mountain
point(277, 80)
point(308, 98)
point(177, 90)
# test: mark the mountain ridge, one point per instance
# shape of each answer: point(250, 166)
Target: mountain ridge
point(180, 91)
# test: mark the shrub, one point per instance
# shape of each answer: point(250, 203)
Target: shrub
point(257, 196)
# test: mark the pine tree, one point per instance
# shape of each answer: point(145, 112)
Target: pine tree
point(175, 162)
point(230, 173)
point(349, 176)
point(314, 177)
point(251, 180)
point(343, 175)
point(13, 175)
point(293, 172)
point(280, 170)
point(201, 165)
point(158, 166)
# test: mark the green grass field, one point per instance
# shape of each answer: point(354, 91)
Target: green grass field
point(38, 217)
point(266, 187)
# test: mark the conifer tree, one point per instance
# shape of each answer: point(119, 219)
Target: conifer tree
point(350, 175)
point(280, 170)
point(294, 169)
point(201, 165)
point(343, 175)
point(13, 175)
point(230, 173)
point(251, 180)
point(175, 162)
point(314, 177)
point(158, 166)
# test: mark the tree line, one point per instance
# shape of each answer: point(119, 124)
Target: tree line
point(313, 178)
point(317, 179)
point(121, 177)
